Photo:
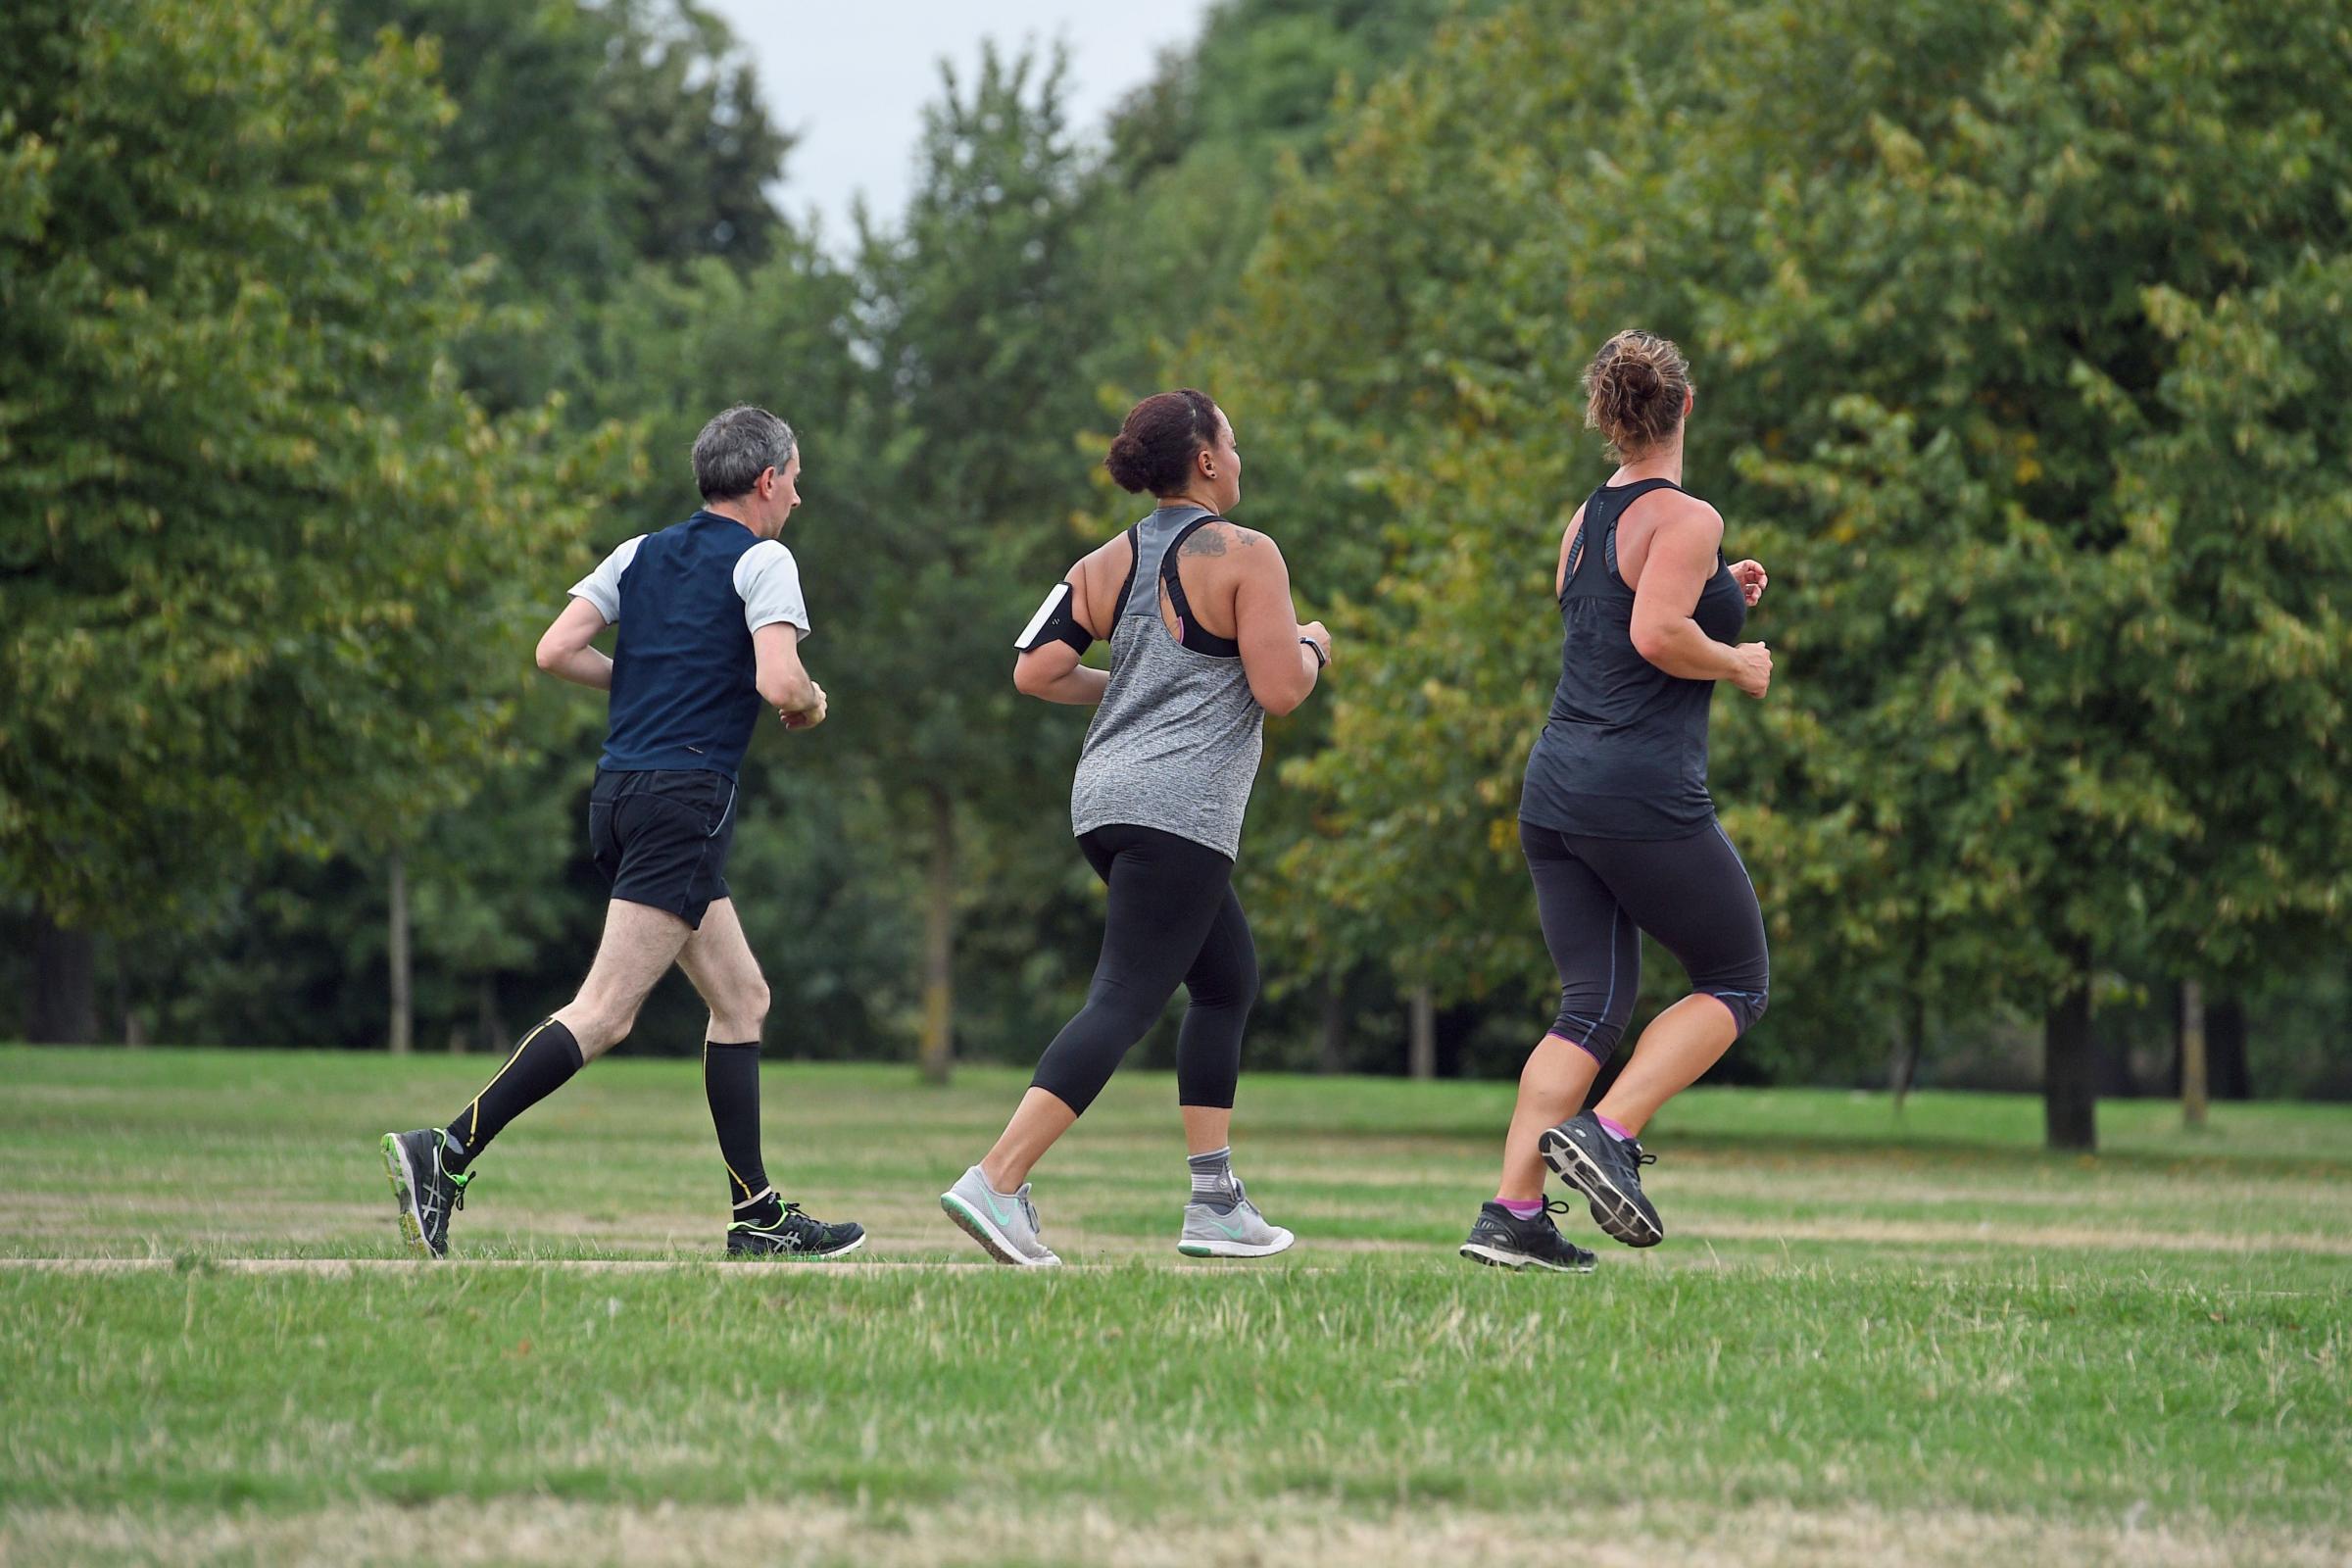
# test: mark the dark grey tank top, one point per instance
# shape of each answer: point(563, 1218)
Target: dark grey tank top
point(1624, 753)
point(1175, 742)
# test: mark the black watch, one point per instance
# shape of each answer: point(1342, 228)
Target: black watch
point(1322, 659)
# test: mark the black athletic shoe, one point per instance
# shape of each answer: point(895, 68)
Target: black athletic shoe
point(425, 1188)
point(1606, 1169)
point(794, 1234)
point(1503, 1239)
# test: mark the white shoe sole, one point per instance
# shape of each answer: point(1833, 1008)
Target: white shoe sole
point(749, 1257)
point(1227, 1248)
point(404, 1193)
point(994, 1242)
point(1612, 1211)
point(1497, 1258)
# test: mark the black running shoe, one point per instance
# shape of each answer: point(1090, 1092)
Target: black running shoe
point(1503, 1239)
point(1606, 1169)
point(793, 1233)
point(426, 1187)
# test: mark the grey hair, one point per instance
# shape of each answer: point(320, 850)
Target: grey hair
point(737, 447)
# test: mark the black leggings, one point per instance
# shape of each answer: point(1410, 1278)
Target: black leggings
point(1174, 917)
point(1597, 896)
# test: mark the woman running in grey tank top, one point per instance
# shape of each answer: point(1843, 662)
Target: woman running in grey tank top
point(1204, 645)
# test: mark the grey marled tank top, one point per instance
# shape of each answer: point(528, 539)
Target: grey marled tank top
point(1175, 743)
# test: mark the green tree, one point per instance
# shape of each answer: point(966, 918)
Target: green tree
point(975, 317)
point(1189, 187)
point(2134, 249)
point(254, 540)
point(589, 139)
point(593, 144)
point(1969, 349)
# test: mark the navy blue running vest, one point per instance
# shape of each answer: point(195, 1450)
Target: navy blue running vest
point(1624, 753)
point(684, 691)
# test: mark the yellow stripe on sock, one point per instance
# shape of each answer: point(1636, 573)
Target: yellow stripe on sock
point(476, 1109)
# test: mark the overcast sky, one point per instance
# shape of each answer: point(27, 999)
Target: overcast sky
point(852, 80)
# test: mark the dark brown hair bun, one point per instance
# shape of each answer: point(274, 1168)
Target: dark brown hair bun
point(1155, 449)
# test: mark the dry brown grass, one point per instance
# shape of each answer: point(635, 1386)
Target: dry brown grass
point(883, 1535)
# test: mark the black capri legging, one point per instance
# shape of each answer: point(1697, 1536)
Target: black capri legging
point(1597, 896)
point(1173, 918)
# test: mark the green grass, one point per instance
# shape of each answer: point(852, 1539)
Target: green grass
point(1868, 1338)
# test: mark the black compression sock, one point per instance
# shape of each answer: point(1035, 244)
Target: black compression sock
point(542, 1063)
point(731, 1083)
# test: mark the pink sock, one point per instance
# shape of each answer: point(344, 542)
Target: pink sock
point(1521, 1207)
point(1615, 1129)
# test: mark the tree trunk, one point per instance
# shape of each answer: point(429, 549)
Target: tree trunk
point(395, 946)
point(2192, 1054)
point(2070, 1064)
point(488, 1026)
point(938, 1048)
point(64, 984)
point(1331, 1051)
point(1905, 1065)
point(2226, 1074)
point(134, 1034)
point(1421, 1044)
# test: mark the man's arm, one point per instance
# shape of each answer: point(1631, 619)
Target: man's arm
point(768, 581)
point(565, 650)
point(783, 682)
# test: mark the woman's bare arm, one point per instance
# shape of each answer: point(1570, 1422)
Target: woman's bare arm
point(1681, 557)
point(1280, 668)
point(1053, 672)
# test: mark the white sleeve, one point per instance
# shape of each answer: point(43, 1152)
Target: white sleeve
point(768, 582)
point(601, 587)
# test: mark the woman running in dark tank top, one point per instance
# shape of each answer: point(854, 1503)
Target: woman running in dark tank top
point(1618, 828)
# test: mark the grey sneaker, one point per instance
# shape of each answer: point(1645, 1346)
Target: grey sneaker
point(1006, 1226)
point(1237, 1232)
point(1608, 1171)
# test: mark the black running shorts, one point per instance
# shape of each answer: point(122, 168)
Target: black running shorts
point(661, 838)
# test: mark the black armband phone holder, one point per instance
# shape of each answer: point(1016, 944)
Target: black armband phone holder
point(1054, 623)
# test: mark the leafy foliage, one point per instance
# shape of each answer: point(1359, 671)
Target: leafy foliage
point(260, 549)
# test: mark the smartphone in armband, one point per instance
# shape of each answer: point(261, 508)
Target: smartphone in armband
point(1054, 623)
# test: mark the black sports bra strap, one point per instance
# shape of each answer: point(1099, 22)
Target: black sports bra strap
point(1189, 631)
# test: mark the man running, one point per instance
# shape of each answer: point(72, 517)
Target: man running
point(711, 619)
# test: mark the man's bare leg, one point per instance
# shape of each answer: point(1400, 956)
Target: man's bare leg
point(640, 945)
point(432, 1166)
